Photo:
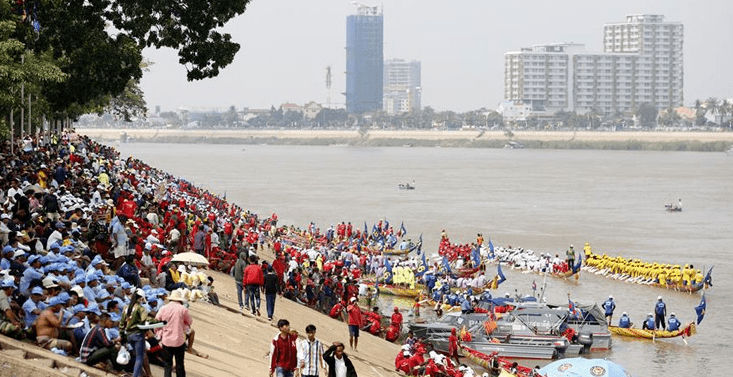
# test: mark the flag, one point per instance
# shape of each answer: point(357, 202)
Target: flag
point(366, 230)
point(490, 326)
point(709, 277)
point(476, 256)
point(386, 225)
point(388, 273)
point(502, 278)
point(419, 245)
point(446, 266)
point(574, 311)
point(491, 248)
point(422, 268)
point(402, 232)
point(700, 309)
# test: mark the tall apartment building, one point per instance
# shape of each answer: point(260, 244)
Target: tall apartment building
point(364, 59)
point(642, 62)
point(402, 88)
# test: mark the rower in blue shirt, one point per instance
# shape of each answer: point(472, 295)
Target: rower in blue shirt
point(649, 323)
point(674, 323)
point(466, 306)
point(660, 311)
point(624, 322)
point(610, 306)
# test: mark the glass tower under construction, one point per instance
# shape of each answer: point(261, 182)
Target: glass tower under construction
point(364, 60)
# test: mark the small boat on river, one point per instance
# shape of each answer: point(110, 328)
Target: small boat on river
point(394, 290)
point(688, 330)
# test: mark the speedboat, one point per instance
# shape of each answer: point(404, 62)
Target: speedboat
point(540, 319)
point(443, 326)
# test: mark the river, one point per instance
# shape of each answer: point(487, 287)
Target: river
point(543, 200)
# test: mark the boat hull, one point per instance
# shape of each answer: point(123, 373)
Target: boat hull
point(395, 291)
point(688, 330)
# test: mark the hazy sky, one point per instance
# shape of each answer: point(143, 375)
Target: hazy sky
point(286, 45)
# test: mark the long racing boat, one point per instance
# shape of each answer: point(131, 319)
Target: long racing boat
point(688, 330)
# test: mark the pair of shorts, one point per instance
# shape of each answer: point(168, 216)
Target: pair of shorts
point(48, 343)
point(354, 331)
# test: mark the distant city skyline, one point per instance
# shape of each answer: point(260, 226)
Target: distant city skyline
point(642, 63)
point(287, 45)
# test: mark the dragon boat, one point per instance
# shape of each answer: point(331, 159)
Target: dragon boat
point(394, 290)
point(689, 288)
point(688, 330)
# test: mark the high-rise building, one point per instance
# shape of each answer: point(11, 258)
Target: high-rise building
point(401, 86)
point(364, 59)
point(642, 62)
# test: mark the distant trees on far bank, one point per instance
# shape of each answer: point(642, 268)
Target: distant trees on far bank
point(711, 114)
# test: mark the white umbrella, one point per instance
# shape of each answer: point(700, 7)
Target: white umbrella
point(190, 257)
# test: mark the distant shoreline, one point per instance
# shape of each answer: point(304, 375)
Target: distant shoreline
point(662, 141)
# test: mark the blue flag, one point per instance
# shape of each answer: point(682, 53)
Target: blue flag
point(700, 309)
point(491, 248)
point(446, 265)
point(388, 273)
point(422, 268)
point(366, 230)
point(386, 225)
point(709, 277)
point(502, 278)
point(402, 231)
point(476, 256)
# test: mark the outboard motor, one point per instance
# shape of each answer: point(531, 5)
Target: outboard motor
point(561, 346)
point(586, 339)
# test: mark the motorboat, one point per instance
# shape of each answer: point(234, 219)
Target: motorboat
point(540, 319)
point(443, 326)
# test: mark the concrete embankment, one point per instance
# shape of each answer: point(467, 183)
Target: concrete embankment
point(666, 141)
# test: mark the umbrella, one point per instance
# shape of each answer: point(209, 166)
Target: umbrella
point(190, 257)
point(580, 367)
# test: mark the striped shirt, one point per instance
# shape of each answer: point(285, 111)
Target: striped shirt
point(310, 355)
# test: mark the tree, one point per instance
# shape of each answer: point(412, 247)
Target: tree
point(231, 117)
point(669, 117)
point(21, 67)
point(99, 62)
point(647, 114)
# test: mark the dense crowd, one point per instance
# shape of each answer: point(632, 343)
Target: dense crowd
point(88, 242)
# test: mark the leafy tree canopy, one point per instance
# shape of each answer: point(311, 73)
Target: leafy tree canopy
point(97, 45)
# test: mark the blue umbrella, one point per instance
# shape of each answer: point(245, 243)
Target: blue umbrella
point(580, 367)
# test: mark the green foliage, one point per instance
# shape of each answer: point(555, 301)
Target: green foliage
point(189, 26)
point(647, 114)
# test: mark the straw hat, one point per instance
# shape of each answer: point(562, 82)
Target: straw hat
point(176, 295)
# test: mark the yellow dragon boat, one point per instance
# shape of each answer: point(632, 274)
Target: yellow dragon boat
point(688, 330)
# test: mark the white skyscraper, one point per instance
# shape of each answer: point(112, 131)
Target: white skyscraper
point(401, 86)
point(642, 62)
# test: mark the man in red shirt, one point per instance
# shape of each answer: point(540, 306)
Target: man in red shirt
point(396, 319)
point(337, 310)
point(253, 280)
point(453, 345)
point(283, 351)
point(355, 322)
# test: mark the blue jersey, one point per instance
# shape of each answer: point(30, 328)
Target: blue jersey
point(673, 324)
point(649, 322)
point(624, 322)
point(660, 308)
point(610, 306)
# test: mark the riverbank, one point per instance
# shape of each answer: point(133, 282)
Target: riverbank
point(661, 141)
